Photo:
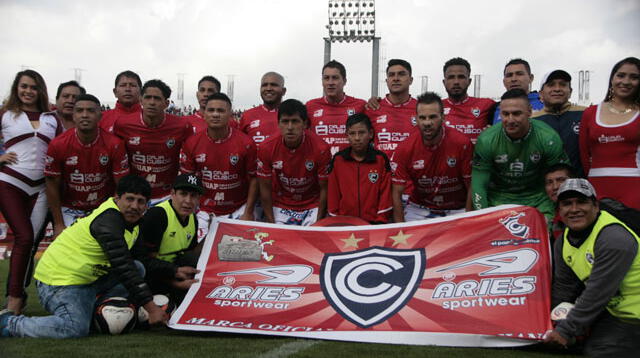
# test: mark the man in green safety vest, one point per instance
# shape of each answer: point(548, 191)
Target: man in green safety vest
point(90, 259)
point(169, 236)
point(597, 269)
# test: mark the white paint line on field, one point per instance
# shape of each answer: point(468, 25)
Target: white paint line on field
point(290, 348)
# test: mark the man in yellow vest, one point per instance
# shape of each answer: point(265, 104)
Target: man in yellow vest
point(169, 236)
point(597, 270)
point(88, 259)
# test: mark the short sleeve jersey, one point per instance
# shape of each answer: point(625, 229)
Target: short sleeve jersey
point(392, 123)
point(154, 152)
point(471, 116)
point(110, 117)
point(225, 167)
point(87, 170)
point(441, 174)
point(259, 123)
point(517, 166)
point(294, 173)
point(329, 120)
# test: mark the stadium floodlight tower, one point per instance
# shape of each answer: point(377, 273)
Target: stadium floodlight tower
point(352, 21)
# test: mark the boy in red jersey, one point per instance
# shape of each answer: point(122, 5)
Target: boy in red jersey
point(207, 86)
point(153, 140)
point(394, 117)
point(225, 159)
point(127, 91)
point(329, 113)
point(437, 161)
point(467, 114)
point(360, 176)
point(292, 170)
point(261, 122)
point(82, 166)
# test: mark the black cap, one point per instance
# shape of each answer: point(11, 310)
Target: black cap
point(189, 182)
point(554, 75)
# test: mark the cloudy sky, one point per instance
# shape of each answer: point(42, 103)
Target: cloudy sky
point(244, 39)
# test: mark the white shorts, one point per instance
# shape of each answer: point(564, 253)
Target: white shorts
point(413, 212)
point(70, 215)
point(204, 220)
point(295, 217)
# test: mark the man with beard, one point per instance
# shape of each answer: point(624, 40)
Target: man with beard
point(437, 161)
point(467, 114)
point(510, 158)
point(261, 122)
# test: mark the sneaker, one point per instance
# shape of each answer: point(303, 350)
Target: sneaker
point(5, 314)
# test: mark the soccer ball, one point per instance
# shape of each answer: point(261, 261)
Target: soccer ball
point(161, 301)
point(115, 315)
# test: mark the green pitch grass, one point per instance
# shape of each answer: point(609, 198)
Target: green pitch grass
point(165, 342)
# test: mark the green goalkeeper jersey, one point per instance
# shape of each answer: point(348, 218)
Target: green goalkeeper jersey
point(508, 171)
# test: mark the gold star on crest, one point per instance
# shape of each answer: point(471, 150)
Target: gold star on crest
point(400, 238)
point(352, 241)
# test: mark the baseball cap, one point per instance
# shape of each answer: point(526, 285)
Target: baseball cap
point(554, 75)
point(188, 181)
point(576, 185)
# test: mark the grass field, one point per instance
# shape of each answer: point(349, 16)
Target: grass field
point(165, 342)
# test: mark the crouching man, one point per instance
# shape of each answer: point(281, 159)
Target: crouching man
point(87, 260)
point(169, 236)
point(597, 268)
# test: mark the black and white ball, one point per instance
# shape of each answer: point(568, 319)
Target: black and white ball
point(115, 315)
point(162, 301)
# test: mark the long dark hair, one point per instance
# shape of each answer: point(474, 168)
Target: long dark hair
point(13, 102)
point(629, 60)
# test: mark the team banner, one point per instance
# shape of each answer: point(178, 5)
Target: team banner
point(476, 279)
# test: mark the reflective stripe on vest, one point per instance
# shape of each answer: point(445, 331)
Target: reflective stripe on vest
point(626, 302)
point(75, 257)
point(176, 238)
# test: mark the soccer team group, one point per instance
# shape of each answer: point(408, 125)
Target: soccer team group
point(137, 171)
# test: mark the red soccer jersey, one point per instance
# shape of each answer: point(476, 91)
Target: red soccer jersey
point(361, 189)
point(392, 123)
point(440, 174)
point(294, 173)
point(470, 117)
point(196, 120)
point(87, 170)
point(259, 123)
point(225, 167)
point(110, 117)
point(154, 152)
point(328, 120)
